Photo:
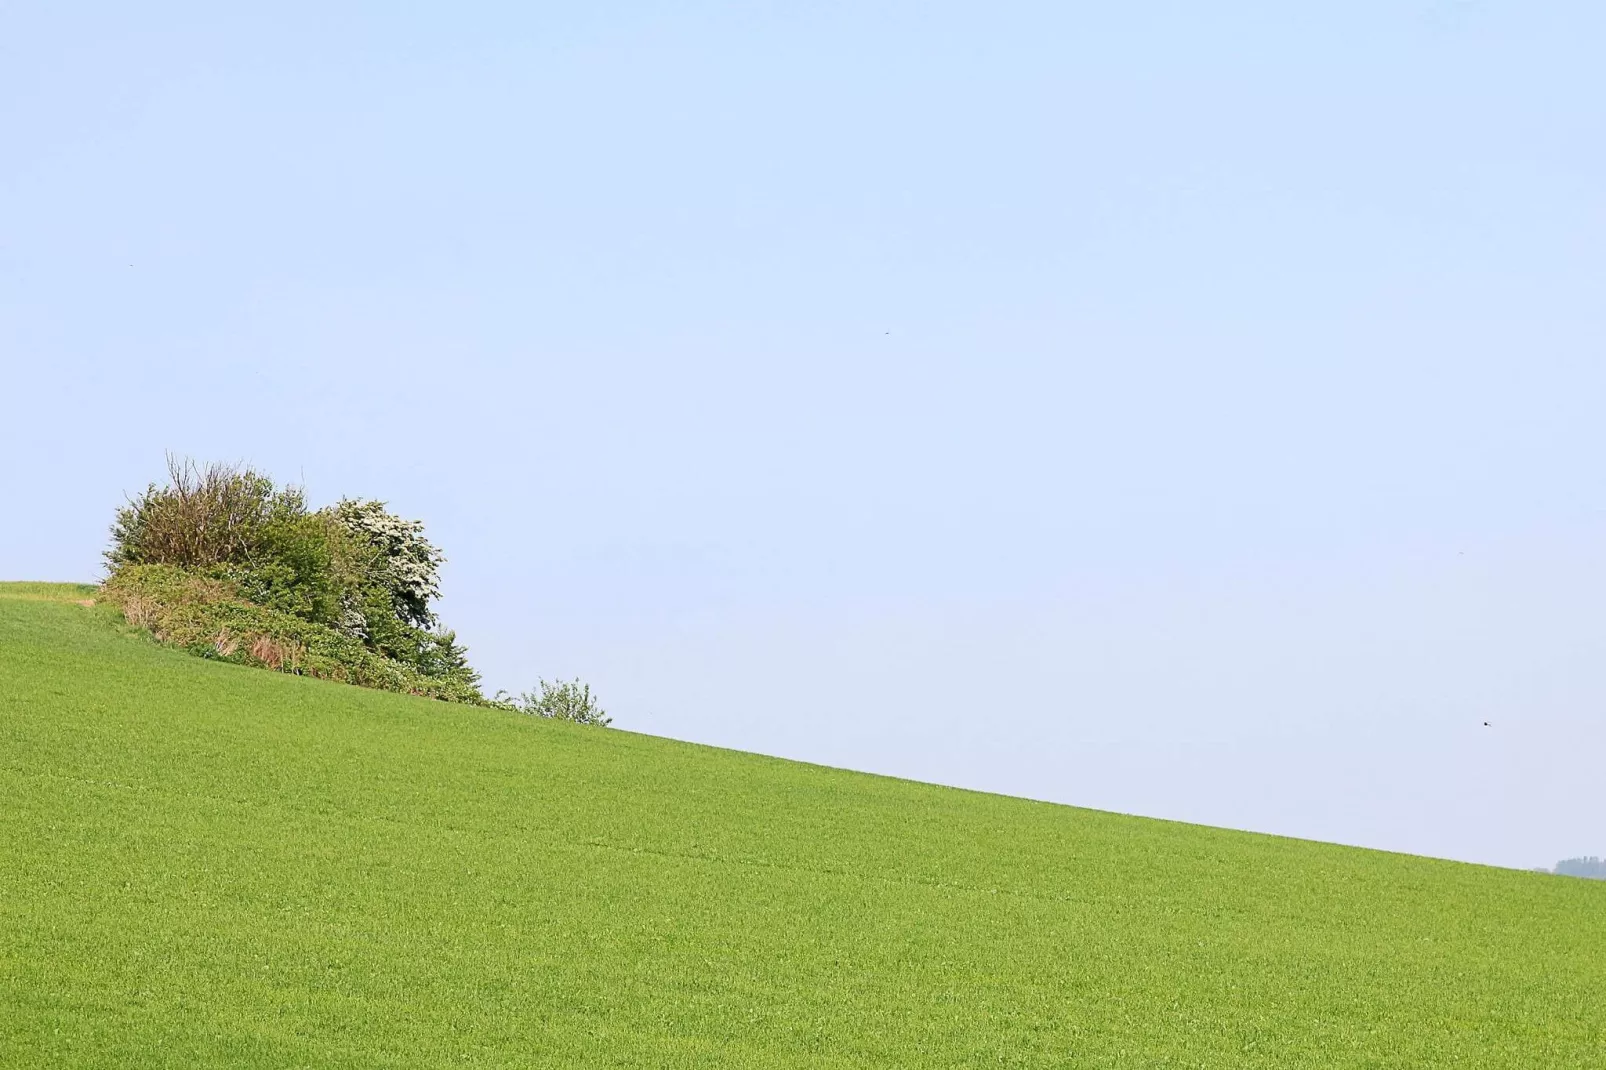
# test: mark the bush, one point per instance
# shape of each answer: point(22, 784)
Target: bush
point(228, 566)
point(405, 564)
point(563, 701)
point(210, 617)
point(251, 558)
point(204, 517)
point(353, 567)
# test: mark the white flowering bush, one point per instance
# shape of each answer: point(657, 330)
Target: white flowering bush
point(407, 564)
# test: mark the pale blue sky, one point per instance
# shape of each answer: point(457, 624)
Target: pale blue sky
point(1191, 410)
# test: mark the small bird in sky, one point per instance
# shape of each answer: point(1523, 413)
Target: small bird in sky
point(1486, 724)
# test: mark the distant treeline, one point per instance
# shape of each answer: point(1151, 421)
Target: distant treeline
point(1591, 867)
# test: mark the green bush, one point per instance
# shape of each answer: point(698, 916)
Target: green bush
point(210, 617)
point(359, 579)
point(404, 563)
point(204, 517)
point(225, 564)
point(563, 701)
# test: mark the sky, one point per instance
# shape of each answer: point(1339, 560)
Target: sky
point(1178, 409)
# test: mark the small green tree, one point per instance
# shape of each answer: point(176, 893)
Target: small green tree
point(561, 700)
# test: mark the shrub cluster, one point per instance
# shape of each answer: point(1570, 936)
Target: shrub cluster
point(223, 563)
point(209, 617)
point(221, 559)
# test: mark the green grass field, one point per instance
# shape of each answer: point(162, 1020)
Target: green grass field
point(209, 865)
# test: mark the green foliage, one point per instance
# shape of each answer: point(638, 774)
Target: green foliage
point(217, 868)
point(209, 617)
point(352, 569)
point(303, 564)
point(561, 700)
point(405, 564)
point(205, 516)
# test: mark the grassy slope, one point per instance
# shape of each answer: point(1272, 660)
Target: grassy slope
point(202, 864)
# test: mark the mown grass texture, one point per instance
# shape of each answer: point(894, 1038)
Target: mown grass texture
point(205, 864)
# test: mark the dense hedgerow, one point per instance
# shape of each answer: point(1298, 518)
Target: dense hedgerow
point(209, 617)
point(223, 562)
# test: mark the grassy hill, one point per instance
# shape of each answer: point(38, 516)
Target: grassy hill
point(209, 865)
